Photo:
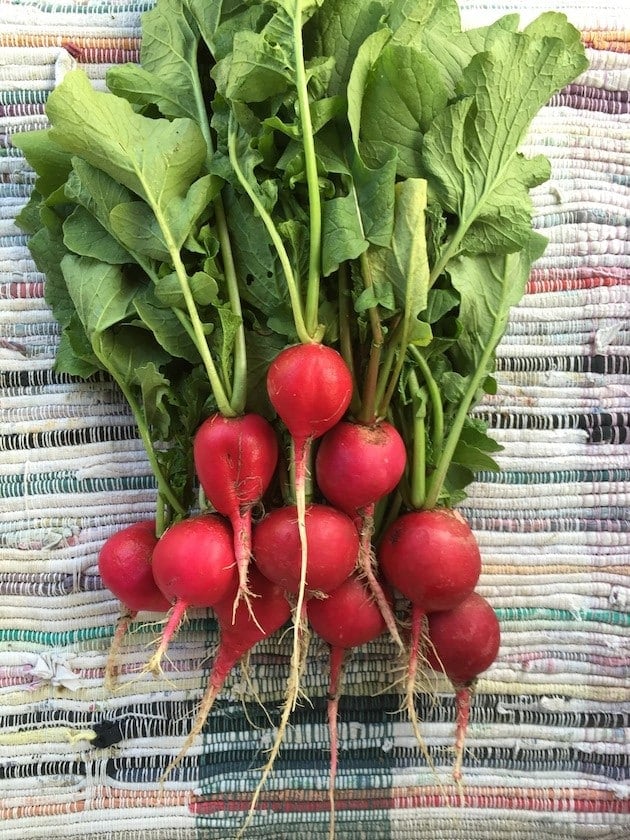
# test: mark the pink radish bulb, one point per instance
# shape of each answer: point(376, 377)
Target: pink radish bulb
point(333, 548)
point(194, 566)
point(239, 632)
point(356, 465)
point(124, 564)
point(310, 387)
point(235, 460)
point(432, 558)
point(348, 617)
point(463, 643)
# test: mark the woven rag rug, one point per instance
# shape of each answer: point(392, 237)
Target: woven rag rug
point(548, 744)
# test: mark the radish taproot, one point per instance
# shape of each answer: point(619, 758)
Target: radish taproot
point(124, 565)
point(347, 618)
point(193, 566)
point(432, 558)
point(462, 643)
point(235, 460)
point(356, 466)
point(239, 632)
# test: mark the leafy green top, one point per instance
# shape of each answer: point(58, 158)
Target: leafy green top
point(285, 170)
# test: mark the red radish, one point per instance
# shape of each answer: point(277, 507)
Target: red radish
point(310, 387)
point(235, 459)
point(463, 642)
point(194, 566)
point(124, 564)
point(333, 548)
point(356, 465)
point(349, 617)
point(432, 558)
point(238, 633)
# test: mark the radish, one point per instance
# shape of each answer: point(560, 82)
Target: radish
point(463, 642)
point(333, 548)
point(124, 564)
point(349, 617)
point(238, 633)
point(356, 465)
point(235, 460)
point(194, 566)
point(310, 387)
point(433, 559)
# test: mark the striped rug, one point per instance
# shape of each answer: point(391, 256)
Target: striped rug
point(548, 749)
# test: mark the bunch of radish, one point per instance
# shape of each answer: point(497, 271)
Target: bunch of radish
point(301, 305)
point(316, 560)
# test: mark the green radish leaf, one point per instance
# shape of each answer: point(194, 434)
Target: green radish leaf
point(343, 237)
point(473, 458)
point(379, 293)
point(101, 293)
point(338, 29)
point(261, 282)
point(164, 325)
point(86, 237)
point(402, 96)
point(439, 303)
point(75, 355)
point(51, 163)
point(157, 396)
point(471, 150)
point(404, 264)
point(48, 250)
point(134, 224)
point(488, 286)
point(124, 349)
point(167, 75)
point(144, 155)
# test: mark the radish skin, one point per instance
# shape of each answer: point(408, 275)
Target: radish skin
point(433, 559)
point(463, 643)
point(124, 564)
point(193, 566)
point(235, 460)
point(356, 465)
point(333, 544)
